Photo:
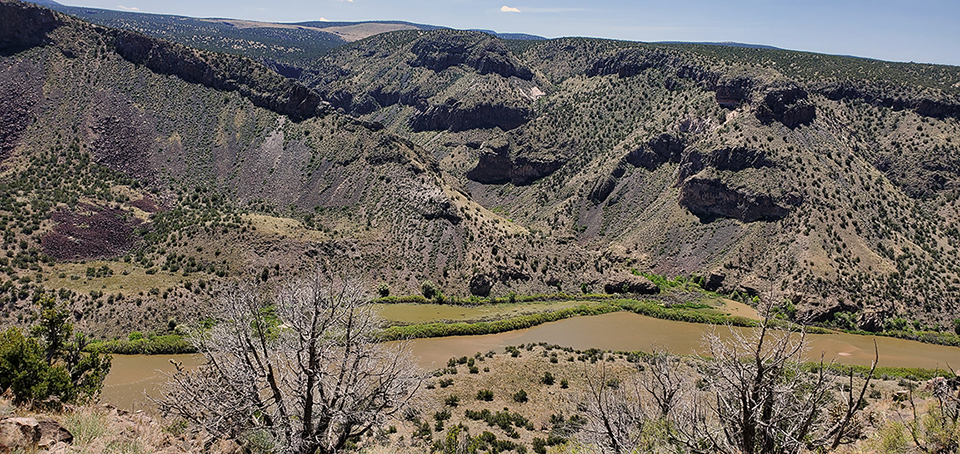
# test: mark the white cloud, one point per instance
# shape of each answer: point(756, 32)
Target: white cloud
point(509, 9)
point(323, 19)
point(131, 8)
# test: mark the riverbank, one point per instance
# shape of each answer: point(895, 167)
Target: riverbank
point(498, 315)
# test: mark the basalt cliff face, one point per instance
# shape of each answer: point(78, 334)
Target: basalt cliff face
point(484, 165)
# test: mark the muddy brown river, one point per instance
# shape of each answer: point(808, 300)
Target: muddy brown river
point(133, 375)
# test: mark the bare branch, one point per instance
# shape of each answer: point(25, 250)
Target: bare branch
point(302, 367)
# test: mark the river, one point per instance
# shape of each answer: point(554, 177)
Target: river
point(132, 375)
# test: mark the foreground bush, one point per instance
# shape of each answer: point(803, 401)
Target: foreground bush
point(50, 361)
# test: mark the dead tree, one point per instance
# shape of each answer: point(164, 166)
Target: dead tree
point(302, 367)
point(665, 381)
point(614, 413)
point(762, 400)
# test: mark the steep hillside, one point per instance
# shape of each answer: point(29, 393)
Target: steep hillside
point(486, 166)
point(828, 181)
point(138, 173)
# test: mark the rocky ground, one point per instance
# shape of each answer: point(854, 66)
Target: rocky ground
point(550, 409)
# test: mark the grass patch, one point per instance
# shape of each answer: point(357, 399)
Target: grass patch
point(500, 326)
point(157, 345)
point(911, 373)
point(87, 426)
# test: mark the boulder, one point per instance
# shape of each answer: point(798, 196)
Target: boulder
point(714, 280)
point(52, 433)
point(18, 433)
point(481, 284)
point(629, 283)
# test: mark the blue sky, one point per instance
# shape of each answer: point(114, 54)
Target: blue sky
point(926, 31)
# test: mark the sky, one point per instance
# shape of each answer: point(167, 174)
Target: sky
point(922, 31)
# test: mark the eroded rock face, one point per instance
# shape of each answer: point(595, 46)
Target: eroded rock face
point(629, 283)
point(656, 152)
point(452, 117)
point(262, 86)
point(731, 93)
point(629, 62)
point(714, 280)
point(496, 166)
point(605, 185)
point(23, 25)
point(710, 198)
point(430, 202)
point(788, 105)
point(893, 98)
point(732, 159)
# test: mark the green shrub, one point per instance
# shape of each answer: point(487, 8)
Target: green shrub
point(50, 362)
point(428, 290)
point(547, 378)
point(485, 395)
point(520, 396)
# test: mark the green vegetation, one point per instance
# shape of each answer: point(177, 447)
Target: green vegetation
point(464, 329)
point(49, 362)
point(169, 344)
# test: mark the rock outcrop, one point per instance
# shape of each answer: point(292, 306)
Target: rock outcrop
point(23, 25)
point(451, 116)
point(481, 284)
point(710, 199)
point(633, 61)
point(604, 186)
point(496, 166)
point(731, 93)
point(714, 280)
point(892, 97)
point(656, 152)
point(787, 104)
point(629, 283)
point(732, 159)
point(264, 87)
